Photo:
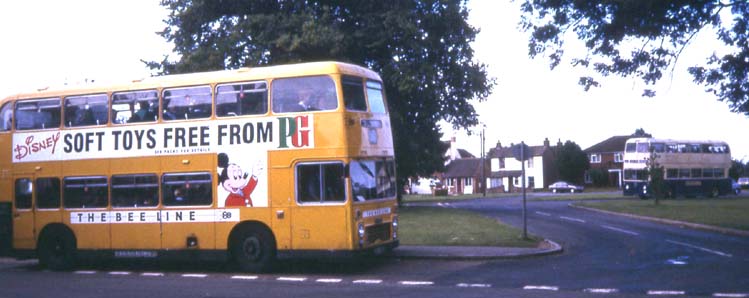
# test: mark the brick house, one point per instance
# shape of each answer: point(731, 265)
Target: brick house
point(506, 171)
point(606, 161)
point(463, 176)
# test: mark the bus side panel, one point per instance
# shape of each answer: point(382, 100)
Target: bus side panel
point(92, 228)
point(321, 227)
point(140, 235)
point(281, 194)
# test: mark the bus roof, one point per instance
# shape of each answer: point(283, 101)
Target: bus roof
point(655, 140)
point(233, 75)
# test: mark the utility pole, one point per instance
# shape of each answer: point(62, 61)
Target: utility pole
point(483, 162)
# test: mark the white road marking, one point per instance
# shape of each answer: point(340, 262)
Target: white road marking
point(543, 288)
point(464, 285)
point(328, 280)
point(195, 275)
point(368, 281)
point(736, 295)
point(119, 273)
point(295, 279)
point(152, 274)
point(244, 277)
point(720, 253)
point(85, 272)
point(601, 291)
point(572, 219)
point(628, 232)
point(666, 293)
point(415, 283)
point(543, 213)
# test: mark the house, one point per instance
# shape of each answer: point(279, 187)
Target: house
point(606, 161)
point(464, 176)
point(506, 171)
point(463, 173)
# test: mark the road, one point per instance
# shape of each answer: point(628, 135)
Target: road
point(604, 255)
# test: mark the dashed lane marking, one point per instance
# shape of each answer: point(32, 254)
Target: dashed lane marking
point(732, 295)
point(720, 253)
point(328, 280)
point(620, 230)
point(119, 273)
point(572, 219)
point(415, 283)
point(665, 293)
point(85, 272)
point(543, 213)
point(244, 277)
point(465, 285)
point(601, 291)
point(294, 279)
point(542, 288)
point(152, 274)
point(368, 281)
point(195, 275)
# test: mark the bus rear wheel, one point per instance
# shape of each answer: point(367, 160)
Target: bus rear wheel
point(253, 250)
point(56, 249)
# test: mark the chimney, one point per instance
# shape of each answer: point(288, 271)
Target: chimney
point(546, 143)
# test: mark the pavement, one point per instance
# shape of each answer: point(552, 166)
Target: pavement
point(546, 247)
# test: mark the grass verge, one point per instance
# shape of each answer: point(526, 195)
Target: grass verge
point(727, 213)
point(454, 227)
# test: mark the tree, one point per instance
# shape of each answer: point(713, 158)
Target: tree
point(644, 39)
point(640, 133)
point(572, 162)
point(421, 49)
point(656, 181)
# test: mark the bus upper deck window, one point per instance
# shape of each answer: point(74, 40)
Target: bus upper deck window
point(376, 97)
point(353, 93)
point(86, 110)
point(241, 99)
point(38, 114)
point(135, 106)
point(302, 94)
point(187, 103)
point(6, 116)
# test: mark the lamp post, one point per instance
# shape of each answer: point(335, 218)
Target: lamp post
point(483, 162)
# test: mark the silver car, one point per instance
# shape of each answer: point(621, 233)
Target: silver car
point(564, 186)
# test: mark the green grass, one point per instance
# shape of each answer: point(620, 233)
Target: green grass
point(431, 198)
point(454, 227)
point(727, 213)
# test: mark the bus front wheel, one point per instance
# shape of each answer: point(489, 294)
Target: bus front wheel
point(253, 249)
point(56, 249)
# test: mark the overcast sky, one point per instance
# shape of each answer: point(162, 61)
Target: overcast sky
point(51, 43)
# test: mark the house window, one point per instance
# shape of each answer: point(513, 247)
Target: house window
point(495, 182)
point(531, 182)
point(501, 163)
point(530, 163)
point(468, 181)
point(618, 157)
point(595, 158)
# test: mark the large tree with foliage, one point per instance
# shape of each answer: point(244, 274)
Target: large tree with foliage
point(421, 49)
point(572, 162)
point(644, 38)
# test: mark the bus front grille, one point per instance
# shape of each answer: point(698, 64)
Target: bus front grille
point(377, 232)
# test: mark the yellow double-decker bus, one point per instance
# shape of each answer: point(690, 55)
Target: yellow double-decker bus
point(244, 165)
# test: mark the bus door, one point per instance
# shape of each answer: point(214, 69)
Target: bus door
point(319, 220)
point(24, 234)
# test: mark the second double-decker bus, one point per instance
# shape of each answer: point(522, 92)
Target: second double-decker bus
point(244, 165)
point(690, 168)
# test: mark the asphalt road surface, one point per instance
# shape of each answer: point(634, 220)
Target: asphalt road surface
point(604, 256)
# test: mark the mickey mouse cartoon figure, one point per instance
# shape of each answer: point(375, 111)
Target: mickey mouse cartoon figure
point(238, 183)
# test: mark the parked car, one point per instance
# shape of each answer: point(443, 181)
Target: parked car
point(744, 182)
point(564, 186)
point(735, 187)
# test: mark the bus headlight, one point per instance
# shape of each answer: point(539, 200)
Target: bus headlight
point(361, 234)
point(395, 227)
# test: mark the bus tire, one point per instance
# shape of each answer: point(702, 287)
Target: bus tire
point(57, 248)
point(253, 249)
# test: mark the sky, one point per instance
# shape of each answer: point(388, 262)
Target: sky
point(53, 43)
